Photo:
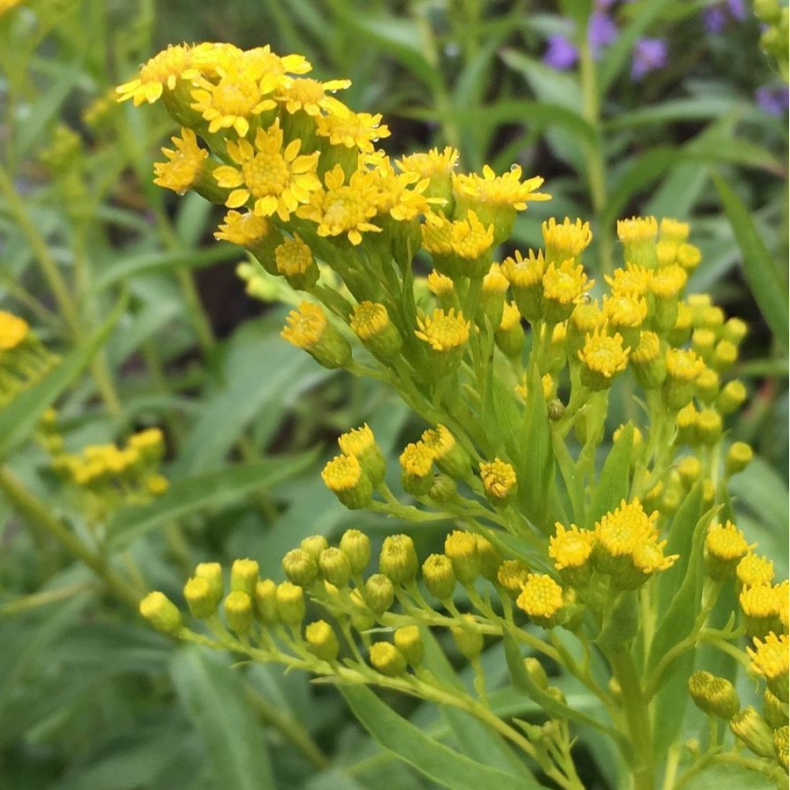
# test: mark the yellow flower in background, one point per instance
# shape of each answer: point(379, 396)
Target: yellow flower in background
point(352, 130)
point(163, 71)
point(184, 164)
point(565, 240)
point(431, 164)
point(244, 229)
point(399, 194)
point(277, 181)
point(637, 229)
point(13, 330)
point(311, 96)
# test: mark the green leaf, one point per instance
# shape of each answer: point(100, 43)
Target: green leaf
point(573, 483)
point(502, 417)
point(614, 483)
point(696, 108)
point(760, 269)
point(438, 762)
point(198, 493)
point(730, 777)
point(235, 742)
point(19, 418)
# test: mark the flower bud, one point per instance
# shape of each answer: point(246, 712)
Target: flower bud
point(781, 746)
point(309, 329)
point(244, 576)
point(361, 443)
point(467, 638)
point(774, 712)
point(416, 462)
point(731, 397)
point(212, 573)
point(448, 454)
point(536, 672)
point(708, 386)
point(321, 640)
point(439, 577)
point(738, 457)
point(266, 602)
point(443, 490)
point(752, 729)
point(713, 695)
point(238, 611)
point(345, 478)
point(541, 599)
point(356, 546)
point(314, 545)
point(361, 617)
point(290, 603)
point(461, 548)
point(294, 260)
point(162, 613)
point(335, 566)
point(379, 593)
point(734, 331)
point(387, 659)
point(687, 425)
point(398, 559)
point(724, 356)
point(499, 481)
point(725, 546)
point(509, 335)
point(490, 558)
point(408, 639)
point(199, 598)
point(702, 341)
point(648, 361)
point(512, 575)
point(690, 470)
point(300, 567)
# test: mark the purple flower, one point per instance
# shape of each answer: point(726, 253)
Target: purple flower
point(601, 32)
point(716, 17)
point(737, 9)
point(774, 100)
point(603, 5)
point(649, 54)
point(561, 53)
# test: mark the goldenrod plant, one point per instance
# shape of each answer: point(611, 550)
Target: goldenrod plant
point(619, 571)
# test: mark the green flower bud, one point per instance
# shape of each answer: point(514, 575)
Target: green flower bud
point(162, 613)
point(200, 600)
point(781, 738)
point(290, 603)
point(509, 336)
point(346, 479)
point(739, 456)
point(734, 331)
point(379, 593)
point(244, 576)
point(266, 602)
point(490, 558)
point(321, 640)
point(690, 470)
point(774, 711)
point(443, 490)
point(439, 577)
point(709, 426)
point(314, 545)
point(467, 638)
point(448, 454)
point(731, 397)
point(309, 329)
point(238, 611)
point(387, 659)
point(362, 445)
point(408, 639)
point(212, 573)
point(300, 567)
point(751, 728)
point(714, 695)
point(724, 356)
point(556, 409)
point(536, 672)
point(461, 548)
point(708, 386)
point(335, 566)
point(398, 559)
point(371, 323)
point(356, 546)
point(361, 617)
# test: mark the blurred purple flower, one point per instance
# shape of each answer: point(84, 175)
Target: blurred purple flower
point(603, 5)
point(561, 53)
point(737, 9)
point(601, 32)
point(716, 17)
point(649, 54)
point(773, 99)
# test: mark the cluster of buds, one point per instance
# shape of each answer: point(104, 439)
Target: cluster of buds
point(23, 359)
point(107, 476)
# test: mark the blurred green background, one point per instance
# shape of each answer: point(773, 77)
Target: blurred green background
point(91, 699)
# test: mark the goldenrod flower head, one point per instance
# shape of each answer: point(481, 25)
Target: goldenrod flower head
point(753, 570)
point(684, 365)
point(707, 385)
point(199, 596)
point(689, 256)
point(344, 208)
point(512, 575)
point(565, 284)
point(357, 441)
point(352, 130)
point(439, 576)
point(184, 163)
point(637, 229)
point(631, 281)
point(293, 257)
point(399, 195)
point(311, 96)
point(511, 317)
point(524, 272)
point(702, 341)
point(726, 544)
point(604, 356)
point(761, 600)
point(674, 230)
point(709, 426)
point(570, 548)
point(649, 557)
point(771, 656)
point(668, 282)
point(666, 252)
point(443, 331)
point(161, 72)
point(291, 605)
point(440, 284)
point(566, 240)
point(305, 327)
point(506, 190)
point(649, 348)
point(714, 695)
point(433, 164)
point(470, 239)
point(499, 480)
point(269, 67)
point(782, 737)
point(437, 234)
point(276, 180)
point(586, 317)
point(231, 102)
point(462, 549)
point(690, 470)
point(417, 459)
point(541, 599)
point(625, 312)
point(751, 728)
point(245, 229)
point(620, 532)
point(13, 330)
point(733, 394)
point(342, 473)
point(735, 330)
point(156, 485)
point(398, 559)
point(495, 282)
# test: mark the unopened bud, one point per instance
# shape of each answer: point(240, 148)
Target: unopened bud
point(439, 577)
point(290, 603)
point(266, 602)
point(468, 639)
point(321, 640)
point(387, 659)
point(738, 457)
point(212, 573)
point(713, 695)
point(356, 546)
point(201, 602)
point(490, 558)
point(238, 611)
point(774, 711)
point(300, 567)
point(408, 639)
point(709, 426)
point(752, 729)
point(379, 593)
point(314, 545)
point(731, 397)
point(161, 612)
point(536, 672)
point(461, 548)
point(398, 559)
point(335, 566)
point(244, 576)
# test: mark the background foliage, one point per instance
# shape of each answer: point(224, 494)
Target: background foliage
point(155, 329)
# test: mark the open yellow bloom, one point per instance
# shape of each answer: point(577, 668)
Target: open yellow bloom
point(245, 229)
point(565, 240)
point(311, 96)
point(306, 327)
point(541, 599)
point(277, 181)
point(351, 130)
point(771, 656)
point(431, 164)
point(684, 365)
point(184, 163)
point(632, 281)
point(637, 229)
point(443, 331)
point(623, 530)
point(505, 190)
point(399, 194)
point(231, 102)
point(624, 312)
point(161, 72)
point(470, 238)
point(570, 548)
point(499, 480)
point(603, 355)
point(13, 330)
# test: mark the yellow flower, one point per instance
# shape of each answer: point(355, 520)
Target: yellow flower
point(624, 312)
point(684, 365)
point(13, 330)
point(603, 357)
point(524, 272)
point(499, 480)
point(277, 181)
point(433, 164)
point(506, 190)
point(351, 130)
point(632, 281)
point(245, 229)
point(184, 164)
point(649, 557)
point(564, 286)
point(689, 256)
point(345, 477)
point(357, 441)
point(161, 72)
point(753, 569)
point(231, 102)
point(761, 600)
point(512, 575)
point(439, 284)
point(343, 208)
point(399, 194)
point(294, 257)
point(541, 599)
point(622, 531)
point(637, 229)
point(570, 548)
point(371, 323)
point(771, 656)
point(443, 331)
point(495, 282)
point(470, 239)
point(306, 327)
point(437, 234)
point(270, 68)
point(674, 230)
point(648, 350)
point(416, 459)
point(567, 240)
point(726, 543)
point(668, 282)
point(311, 96)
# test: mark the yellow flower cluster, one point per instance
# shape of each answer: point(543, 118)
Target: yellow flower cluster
point(23, 359)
